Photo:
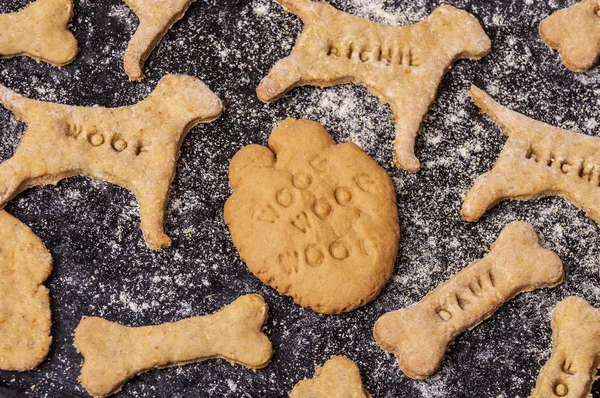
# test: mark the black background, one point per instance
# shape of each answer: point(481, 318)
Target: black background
point(102, 266)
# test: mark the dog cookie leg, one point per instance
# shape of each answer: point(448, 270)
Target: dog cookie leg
point(156, 18)
point(419, 335)
point(571, 369)
point(537, 160)
point(114, 353)
point(40, 31)
point(152, 213)
point(339, 377)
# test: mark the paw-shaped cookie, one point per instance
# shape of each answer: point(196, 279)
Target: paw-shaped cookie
point(315, 220)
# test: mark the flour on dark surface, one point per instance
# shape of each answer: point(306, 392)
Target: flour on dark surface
point(103, 268)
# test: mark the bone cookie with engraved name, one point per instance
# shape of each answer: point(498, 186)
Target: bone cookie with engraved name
point(25, 263)
point(156, 18)
point(135, 147)
point(315, 220)
point(537, 160)
point(113, 353)
point(39, 31)
point(571, 369)
point(402, 65)
point(419, 335)
point(575, 33)
point(338, 378)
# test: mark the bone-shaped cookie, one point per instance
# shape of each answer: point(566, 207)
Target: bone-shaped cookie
point(338, 378)
point(402, 65)
point(39, 31)
point(575, 33)
point(25, 263)
point(156, 18)
point(135, 147)
point(114, 353)
point(571, 369)
point(419, 335)
point(537, 160)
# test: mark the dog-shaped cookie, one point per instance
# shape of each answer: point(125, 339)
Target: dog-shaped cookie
point(135, 147)
point(402, 65)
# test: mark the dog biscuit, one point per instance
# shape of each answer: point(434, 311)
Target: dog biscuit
point(402, 65)
point(135, 147)
point(575, 33)
point(338, 378)
point(39, 31)
point(113, 353)
point(25, 263)
point(419, 335)
point(156, 18)
point(315, 220)
point(537, 160)
point(571, 369)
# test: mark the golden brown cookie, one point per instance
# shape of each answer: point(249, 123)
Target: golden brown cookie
point(402, 65)
point(571, 369)
point(135, 147)
point(419, 335)
point(156, 18)
point(39, 31)
point(114, 353)
point(575, 33)
point(338, 378)
point(25, 263)
point(315, 220)
point(537, 160)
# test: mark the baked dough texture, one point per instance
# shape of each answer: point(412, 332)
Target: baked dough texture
point(315, 220)
point(338, 378)
point(156, 18)
point(571, 369)
point(575, 33)
point(537, 160)
point(39, 31)
point(25, 322)
point(419, 335)
point(114, 353)
point(135, 147)
point(402, 65)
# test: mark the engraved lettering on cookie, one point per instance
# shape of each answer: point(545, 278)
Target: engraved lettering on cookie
point(301, 222)
point(94, 138)
point(289, 262)
point(339, 251)
point(365, 183)
point(319, 163)
point(267, 214)
point(115, 353)
point(537, 160)
point(336, 47)
point(322, 209)
point(519, 264)
point(576, 340)
point(314, 255)
point(285, 197)
point(343, 196)
point(302, 181)
point(574, 33)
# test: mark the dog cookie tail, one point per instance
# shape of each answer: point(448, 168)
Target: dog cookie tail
point(284, 76)
point(509, 121)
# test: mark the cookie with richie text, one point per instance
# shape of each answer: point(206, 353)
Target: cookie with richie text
point(315, 220)
point(39, 31)
point(402, 65)
point(135, 147)
point(25, 322)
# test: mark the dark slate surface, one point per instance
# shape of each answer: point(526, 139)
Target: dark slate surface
point(103, 268)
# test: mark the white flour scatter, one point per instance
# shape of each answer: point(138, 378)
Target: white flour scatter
point(103, 268)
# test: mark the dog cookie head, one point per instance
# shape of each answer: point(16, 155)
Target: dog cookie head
point(315, 220)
